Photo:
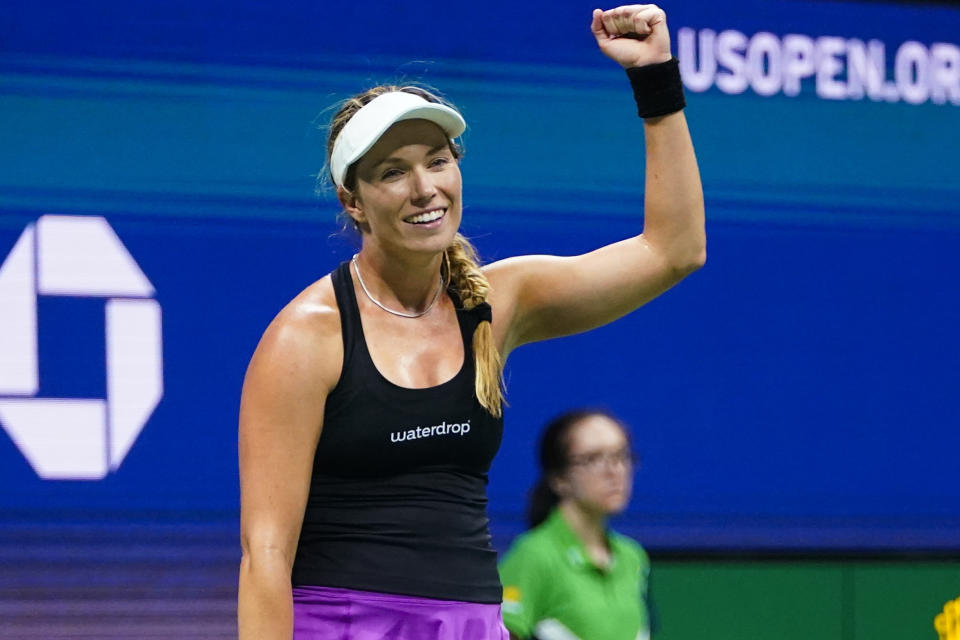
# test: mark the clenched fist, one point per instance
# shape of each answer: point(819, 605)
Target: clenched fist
point(634, 35)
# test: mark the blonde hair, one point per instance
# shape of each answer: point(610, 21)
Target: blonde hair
point(460, 269)
point(472, 287)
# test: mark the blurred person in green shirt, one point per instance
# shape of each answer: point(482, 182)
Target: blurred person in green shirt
point(572, 577)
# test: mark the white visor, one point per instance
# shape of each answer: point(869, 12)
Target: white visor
point(369, 123)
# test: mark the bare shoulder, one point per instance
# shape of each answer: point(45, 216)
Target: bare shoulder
point(506, 272)
point(303, 342)
point(289, 378)
point(505, 278)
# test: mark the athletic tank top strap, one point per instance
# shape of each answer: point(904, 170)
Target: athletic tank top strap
point(350, 327)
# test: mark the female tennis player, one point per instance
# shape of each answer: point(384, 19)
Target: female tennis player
point(372, 407)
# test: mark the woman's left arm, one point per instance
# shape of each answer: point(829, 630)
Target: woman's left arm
point(541, 297)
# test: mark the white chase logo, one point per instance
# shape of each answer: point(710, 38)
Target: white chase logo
point(77, 438)
point(442, 429)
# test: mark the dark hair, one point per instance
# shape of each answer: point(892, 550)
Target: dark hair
point(555, 458)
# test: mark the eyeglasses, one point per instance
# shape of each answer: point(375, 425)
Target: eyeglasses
point(599, 460)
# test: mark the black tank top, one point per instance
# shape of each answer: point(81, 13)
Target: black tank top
point(397, 499)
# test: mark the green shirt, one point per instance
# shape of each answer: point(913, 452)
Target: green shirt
point(553, 590)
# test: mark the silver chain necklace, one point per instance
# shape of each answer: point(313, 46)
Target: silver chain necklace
point(436, 296)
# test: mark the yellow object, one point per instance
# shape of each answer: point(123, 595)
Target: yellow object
point(947, 623)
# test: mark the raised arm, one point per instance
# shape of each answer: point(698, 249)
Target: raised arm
point(281, 415)
point(541, 297)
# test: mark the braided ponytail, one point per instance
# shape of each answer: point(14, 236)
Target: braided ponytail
point(466, 278)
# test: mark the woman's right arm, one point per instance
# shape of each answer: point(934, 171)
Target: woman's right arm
point(281, 415)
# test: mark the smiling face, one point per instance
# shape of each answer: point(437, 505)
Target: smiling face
point(408, 190)
point(599, 473)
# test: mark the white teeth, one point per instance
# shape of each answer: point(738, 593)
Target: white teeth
point(429, 216)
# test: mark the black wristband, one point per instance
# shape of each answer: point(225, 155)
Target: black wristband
point(657, 88)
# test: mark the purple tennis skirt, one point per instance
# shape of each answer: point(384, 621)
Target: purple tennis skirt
point(330, 613)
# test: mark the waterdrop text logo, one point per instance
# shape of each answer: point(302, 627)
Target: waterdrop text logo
point(69, 438)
